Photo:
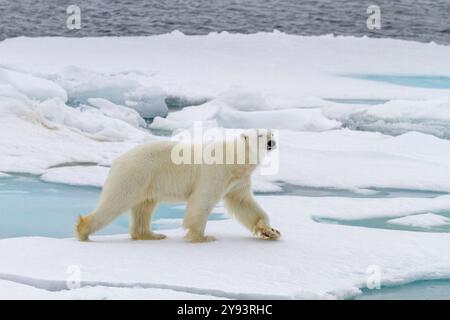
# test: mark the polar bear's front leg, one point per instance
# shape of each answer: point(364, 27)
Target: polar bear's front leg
point(241, 203)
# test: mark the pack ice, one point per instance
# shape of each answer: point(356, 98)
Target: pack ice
point(69, 106)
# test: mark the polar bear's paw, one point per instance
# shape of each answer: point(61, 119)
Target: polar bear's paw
point(265, 232)
point(82, 228)
point(149, 236)
point(197, 238)
point(203, 239)
point(269, 234)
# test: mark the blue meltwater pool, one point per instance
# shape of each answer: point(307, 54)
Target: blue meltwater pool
point(418, 81)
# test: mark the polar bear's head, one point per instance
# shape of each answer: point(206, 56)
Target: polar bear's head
point(259, 141)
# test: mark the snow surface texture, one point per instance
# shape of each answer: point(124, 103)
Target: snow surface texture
point(65, 114)
point(15, 290)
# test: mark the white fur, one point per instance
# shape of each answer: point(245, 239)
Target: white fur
point(146, 175)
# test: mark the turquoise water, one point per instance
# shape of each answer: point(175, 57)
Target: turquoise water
point(426, 289)
point(358, 101)
point(382, 223)
point(31, 207)
point(419, 81)
point(291, 189)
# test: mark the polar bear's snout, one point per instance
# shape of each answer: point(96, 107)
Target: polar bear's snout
point(271, 144)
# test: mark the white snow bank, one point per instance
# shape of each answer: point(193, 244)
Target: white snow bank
point(392, 117)
point(412, 110)
point(30, 147)
point(89, 121)
point(312, 260)
point(123, 88)
point(219, 113)
point(51, 111)
point(33, 87)
point(288, 119)
point(186, 117)
point(396, 116)
point(426, 220)
point(117, 111)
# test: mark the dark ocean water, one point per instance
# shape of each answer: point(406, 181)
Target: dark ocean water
point(420, 20)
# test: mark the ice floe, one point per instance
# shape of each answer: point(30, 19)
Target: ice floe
point(69, 106)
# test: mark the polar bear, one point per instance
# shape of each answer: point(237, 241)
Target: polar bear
point(146, 175)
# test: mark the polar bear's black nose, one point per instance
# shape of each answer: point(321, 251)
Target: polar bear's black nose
point(271, 144)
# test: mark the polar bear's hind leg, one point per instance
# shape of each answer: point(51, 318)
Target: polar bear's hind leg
point(107, 210)
point(101, 217)
point(141, 218)
point(196, 217)
point(121, 192)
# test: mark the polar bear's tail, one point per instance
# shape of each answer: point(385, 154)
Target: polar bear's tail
point(83, 229)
